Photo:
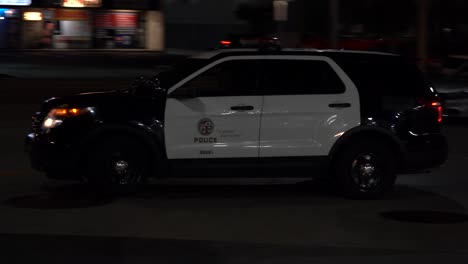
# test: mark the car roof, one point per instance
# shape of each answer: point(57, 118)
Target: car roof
point(221, 53)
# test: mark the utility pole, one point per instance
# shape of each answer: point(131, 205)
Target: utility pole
point(422, 32)
point(334, 9)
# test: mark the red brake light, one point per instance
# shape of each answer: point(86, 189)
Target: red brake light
point(439, 113)
point(225, 42)
point(433, 103)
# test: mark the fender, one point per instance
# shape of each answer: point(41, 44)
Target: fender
point(151, 136)
point(369, 131)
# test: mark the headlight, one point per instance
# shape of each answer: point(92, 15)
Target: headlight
point(58, 115)
point(51, 122)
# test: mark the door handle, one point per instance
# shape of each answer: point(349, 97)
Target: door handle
point(242, 108)
point(339, 105)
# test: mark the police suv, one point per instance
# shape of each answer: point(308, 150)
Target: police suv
point(359, 118)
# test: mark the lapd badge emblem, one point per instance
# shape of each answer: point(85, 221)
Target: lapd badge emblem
point(205, 127)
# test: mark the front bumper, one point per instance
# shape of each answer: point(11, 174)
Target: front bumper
point(426, 152)
point(58, 162)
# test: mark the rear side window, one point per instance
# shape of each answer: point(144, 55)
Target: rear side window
point(388, 84)
point(388, 78)
point(287, 77)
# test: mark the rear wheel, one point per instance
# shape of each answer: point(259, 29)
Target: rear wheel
point(119, 165)
point(365, 169)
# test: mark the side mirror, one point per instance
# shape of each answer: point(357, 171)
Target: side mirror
point(138, 81)
point(155, 82)
point(147, 86)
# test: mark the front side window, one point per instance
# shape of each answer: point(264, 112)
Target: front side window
point(284, 77)
point(230, 78)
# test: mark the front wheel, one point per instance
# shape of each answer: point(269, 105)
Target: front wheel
point(119, 165)
point(365, 169)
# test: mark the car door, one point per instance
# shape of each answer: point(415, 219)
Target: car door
point(215, 113)
point(309, 103)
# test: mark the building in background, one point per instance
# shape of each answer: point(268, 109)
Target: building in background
point(201, 24)
point(81, 24)
point(10, 26)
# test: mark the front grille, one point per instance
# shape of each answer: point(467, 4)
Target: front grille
point(37, 119)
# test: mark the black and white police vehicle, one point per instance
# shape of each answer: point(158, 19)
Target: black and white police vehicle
point(359, 118)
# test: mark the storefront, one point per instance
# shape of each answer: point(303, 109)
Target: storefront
point(118, 29)
point(81, 24)
point(71, 29)
point(10, 22)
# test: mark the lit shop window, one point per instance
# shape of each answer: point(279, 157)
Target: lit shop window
point(32, 16)
point(81, 3)
point(15, 2)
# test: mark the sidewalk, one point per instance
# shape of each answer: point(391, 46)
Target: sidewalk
point(86, 64)
point(30, 71)
point(175, 52)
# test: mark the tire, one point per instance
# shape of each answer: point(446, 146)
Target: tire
point(365, 169)
point(119, 165)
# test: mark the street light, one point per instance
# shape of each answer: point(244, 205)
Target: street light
point(280, 14)
point(280, 10)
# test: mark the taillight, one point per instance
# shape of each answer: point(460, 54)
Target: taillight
point(435, 104)
point(225, 42)
point(438, 107)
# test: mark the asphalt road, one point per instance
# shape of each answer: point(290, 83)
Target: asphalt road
point(219, 221)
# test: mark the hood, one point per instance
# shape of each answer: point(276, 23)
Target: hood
point(86, 99)
point(114, 104)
